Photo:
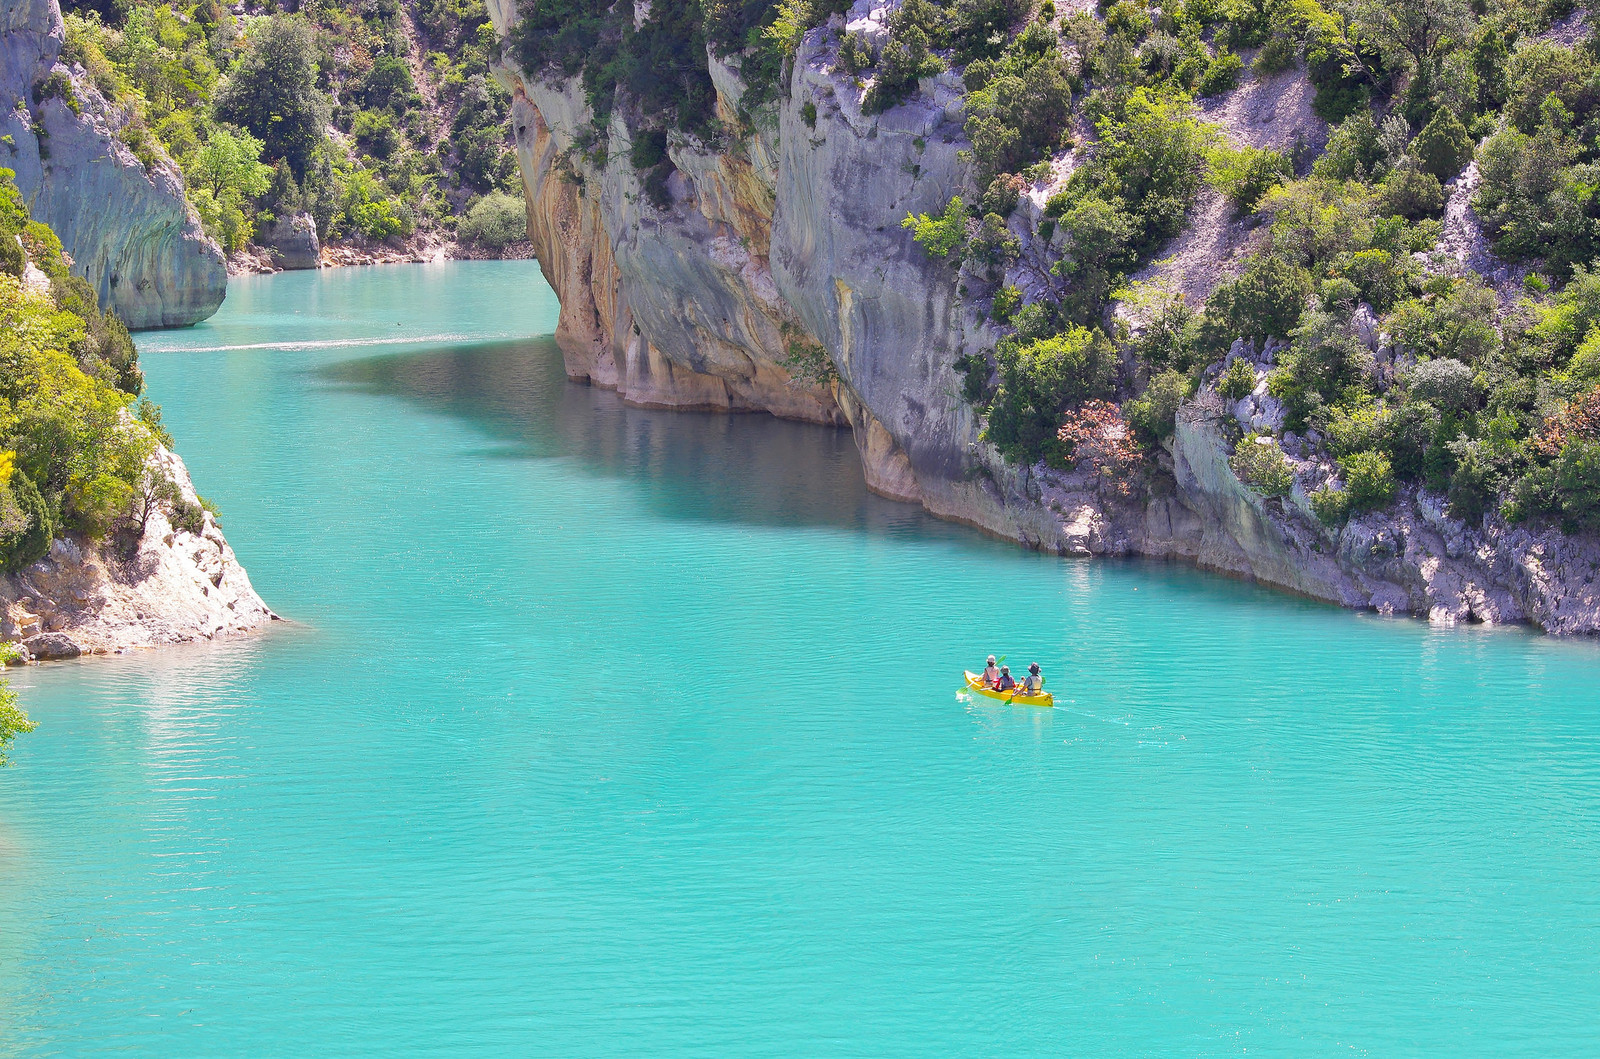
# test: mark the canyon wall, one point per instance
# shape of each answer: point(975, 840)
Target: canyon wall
point(128, 229)
point(790, 236)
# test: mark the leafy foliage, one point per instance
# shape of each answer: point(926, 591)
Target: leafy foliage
point(495, 221)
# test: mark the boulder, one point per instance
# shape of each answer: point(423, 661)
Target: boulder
point(48, 646)
point(292, 241)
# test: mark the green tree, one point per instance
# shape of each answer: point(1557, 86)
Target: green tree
point(1040, 378)
point(13, 722)
point(1443, 146)
point(941, 236)
point(1412, 30)
point(907, 57)
point(272, 91)
point(495, 221)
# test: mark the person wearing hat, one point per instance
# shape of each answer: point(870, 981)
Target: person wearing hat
point(1033, 683)
point(1006, 681)
point(991, 674)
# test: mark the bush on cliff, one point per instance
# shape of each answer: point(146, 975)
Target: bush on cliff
point(1039, 378)
point(1131, 197)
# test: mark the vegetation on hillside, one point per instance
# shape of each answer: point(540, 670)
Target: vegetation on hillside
point(268, 112)
point(75, 441)
point(1494, 405)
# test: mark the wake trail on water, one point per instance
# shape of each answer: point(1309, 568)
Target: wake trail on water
point(336, 343)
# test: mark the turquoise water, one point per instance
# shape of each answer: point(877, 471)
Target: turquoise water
point(601, 731)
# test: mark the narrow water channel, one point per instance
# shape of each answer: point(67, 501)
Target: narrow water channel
point(601, 731)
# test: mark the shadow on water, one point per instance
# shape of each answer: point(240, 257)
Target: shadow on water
point(687, 465)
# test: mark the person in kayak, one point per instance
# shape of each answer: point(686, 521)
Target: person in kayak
point(1033, 683)
point(991, 675)
point(1006, 681)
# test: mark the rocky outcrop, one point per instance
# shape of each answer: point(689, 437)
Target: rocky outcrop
point(291, 241)
point(789, 235)
point(171, 586)
point(127, 228)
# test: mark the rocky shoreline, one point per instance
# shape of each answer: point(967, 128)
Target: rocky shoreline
point(307, 253)
point(172, 586)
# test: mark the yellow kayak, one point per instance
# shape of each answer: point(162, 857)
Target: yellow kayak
point(976, 685)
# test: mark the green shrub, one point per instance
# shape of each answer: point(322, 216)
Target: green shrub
point(1222, 74)
point(1245, 174)
point(805, 359)
point(57, 86)
point(1411, 193)
point(1154, 413)
point(13, 722)
point(906, 58)
point(1276, 56)
point(495, 221)
point(1239, 381)
point(1327, 363)
point(1379, 276)
point(993, 244)
point(941, 236)
point(375, 133)
point(378, 221)
point(1443, 146)
point(27, 525)
point(1369, 480)
point(1481, 471)
point(1330, 505)
point(1444, 383)
point(1003, 193)
point(1006, 301)
point(1261, 465)
point(855, 54)
point(649, 149)
point(13, 262)
point(1265, 302)
point(1038, 379)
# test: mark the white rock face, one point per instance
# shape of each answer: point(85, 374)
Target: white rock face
point(128, 230)
point(176, 587)
point(794, 232)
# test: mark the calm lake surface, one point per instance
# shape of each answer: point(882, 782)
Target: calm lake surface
point(610, 732)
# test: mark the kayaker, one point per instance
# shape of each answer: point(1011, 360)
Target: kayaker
point(1006, 681)
point(991, 674)
point(1033, 683)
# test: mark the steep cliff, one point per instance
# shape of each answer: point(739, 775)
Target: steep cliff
point(791, 234)
point(127, 228)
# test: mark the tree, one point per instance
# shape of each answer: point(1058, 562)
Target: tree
point(495, 221)
point(13, 721)
point(1413, 29)
point(906, 58)
point(1444, 145)
point(231, 161)
point(273, 91)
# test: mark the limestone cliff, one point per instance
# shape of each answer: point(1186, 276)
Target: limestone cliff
point(171, 586)
point(791, 232)
point(128, 229)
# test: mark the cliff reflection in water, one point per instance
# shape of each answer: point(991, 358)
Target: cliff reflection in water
point(518, 393)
